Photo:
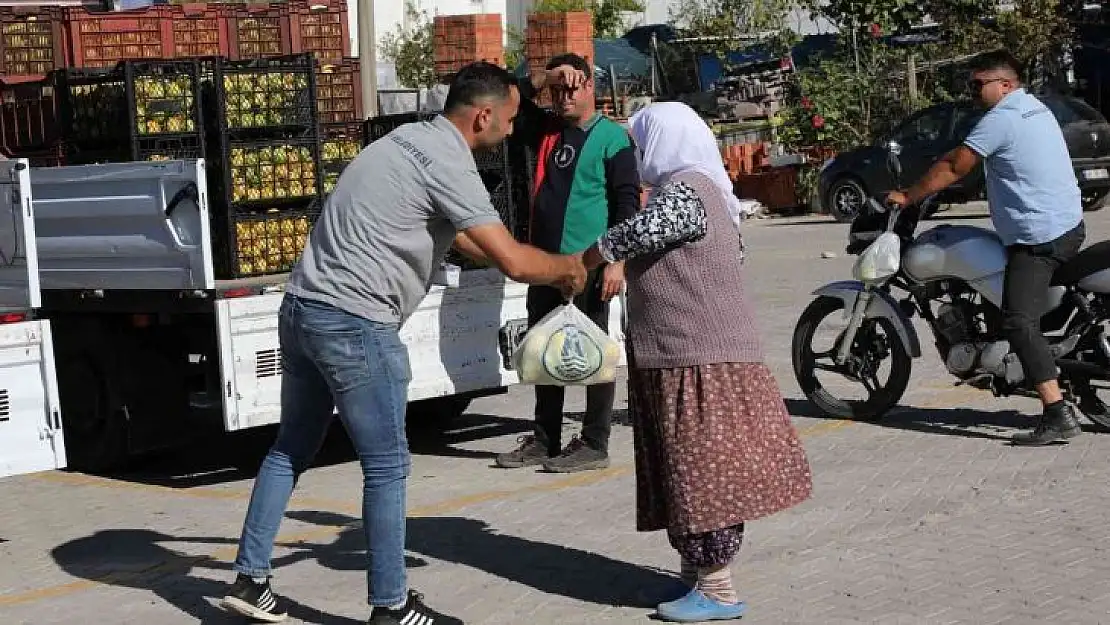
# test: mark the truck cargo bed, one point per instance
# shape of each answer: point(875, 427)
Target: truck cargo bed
point(124, 226)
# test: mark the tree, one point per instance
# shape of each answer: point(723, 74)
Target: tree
point(898, 15)
point(514, 51)
point(608, 19)
point(726, 22)
point(412, 50)
point(1037, 32)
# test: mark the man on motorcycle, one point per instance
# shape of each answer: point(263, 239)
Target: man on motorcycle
point(1035, 207)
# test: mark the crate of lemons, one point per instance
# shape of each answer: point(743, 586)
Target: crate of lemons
point(165, 105)
point(258, 100)
point(272, 172)
point(270, 243)
point(337, 154)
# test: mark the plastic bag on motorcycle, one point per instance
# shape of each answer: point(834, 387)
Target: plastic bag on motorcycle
point(880, 260)
point(870, 224)
point(566, 348)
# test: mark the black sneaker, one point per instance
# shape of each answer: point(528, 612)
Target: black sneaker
point(414, 612)
point(528, 454)
point(253, 600)
point(578, 456)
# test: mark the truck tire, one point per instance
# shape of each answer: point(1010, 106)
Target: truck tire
point(96, 431)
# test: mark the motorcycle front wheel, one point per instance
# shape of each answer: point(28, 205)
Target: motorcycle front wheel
point(876, 347)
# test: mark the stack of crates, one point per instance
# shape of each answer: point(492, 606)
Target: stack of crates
point(265, 143)
point(258, 30)
point(339, 91)
point(100, 39)
point(339, 106)
point(137, 111)
point(552, 34)
point(463, 39)
point(32, 42)
point(341, 143)
point(29, 123)
point(103, 39)
point(320, 27)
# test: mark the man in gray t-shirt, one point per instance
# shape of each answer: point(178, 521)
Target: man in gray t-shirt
point(369, 262)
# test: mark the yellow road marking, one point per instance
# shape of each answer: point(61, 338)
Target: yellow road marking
point(186, 563)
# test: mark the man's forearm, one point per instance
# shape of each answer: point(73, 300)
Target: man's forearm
point(470, 249)
point(952, 167)
point(531, 265)
point(939, 177)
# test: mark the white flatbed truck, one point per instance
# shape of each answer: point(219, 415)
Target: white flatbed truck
point(149, 349)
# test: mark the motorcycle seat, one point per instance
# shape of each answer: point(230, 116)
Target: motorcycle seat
point(1089, 261)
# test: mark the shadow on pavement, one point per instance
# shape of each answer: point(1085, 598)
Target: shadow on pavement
point(147, 560)
point(964, 422)
point(548, 568)
point(431, 439)
point(141, 559)
point(237, 456)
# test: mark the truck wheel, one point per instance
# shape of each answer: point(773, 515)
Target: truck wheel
point(95, 431)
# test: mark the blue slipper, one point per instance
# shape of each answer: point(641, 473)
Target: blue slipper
point(695, 607)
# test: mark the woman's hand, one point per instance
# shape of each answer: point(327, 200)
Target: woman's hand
point(612, 280)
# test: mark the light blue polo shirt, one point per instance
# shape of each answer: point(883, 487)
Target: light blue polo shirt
point(1031, 187)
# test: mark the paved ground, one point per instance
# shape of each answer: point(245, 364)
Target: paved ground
point(928, 517)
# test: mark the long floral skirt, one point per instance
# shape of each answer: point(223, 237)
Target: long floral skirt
point(714, 448)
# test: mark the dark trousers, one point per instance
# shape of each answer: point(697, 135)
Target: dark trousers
point(1029, 270)
point(598, 421)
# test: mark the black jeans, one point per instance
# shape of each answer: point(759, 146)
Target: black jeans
point(597, 423)
point(1029, 270)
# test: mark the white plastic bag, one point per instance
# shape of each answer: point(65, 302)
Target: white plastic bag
point(566, 348)
point(880, 260)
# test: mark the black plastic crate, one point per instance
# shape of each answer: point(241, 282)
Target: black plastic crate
point(164, 148)
point(92, 106)
point(375, 128)
point(261, 243)
point(252, 97)
point(157, 100)
point(339, 145)
point(265, 172)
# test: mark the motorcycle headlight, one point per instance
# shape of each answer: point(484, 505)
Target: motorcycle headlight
point(880, 260)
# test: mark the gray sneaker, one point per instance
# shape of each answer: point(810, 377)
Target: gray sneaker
point(578, 456)
point(529, 454)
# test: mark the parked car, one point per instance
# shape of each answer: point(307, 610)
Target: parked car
point(848, 179)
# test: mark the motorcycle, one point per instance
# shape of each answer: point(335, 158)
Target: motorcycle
point(952, 277)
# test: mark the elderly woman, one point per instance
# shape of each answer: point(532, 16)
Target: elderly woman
point(714, 444)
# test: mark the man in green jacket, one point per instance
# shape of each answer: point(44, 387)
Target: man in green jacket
point(586, 181)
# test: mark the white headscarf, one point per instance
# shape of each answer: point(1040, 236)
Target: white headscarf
point(672, 139)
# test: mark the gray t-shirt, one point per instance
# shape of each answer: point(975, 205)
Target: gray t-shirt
point(390, 220)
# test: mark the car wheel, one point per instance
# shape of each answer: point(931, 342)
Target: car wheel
point(1094, 200)
point(846, 199)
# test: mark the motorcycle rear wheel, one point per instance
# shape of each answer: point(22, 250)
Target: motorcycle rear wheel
point(881, 398)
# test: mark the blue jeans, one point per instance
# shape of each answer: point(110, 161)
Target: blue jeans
point(331, 358)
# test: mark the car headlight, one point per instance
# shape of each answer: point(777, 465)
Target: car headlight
point(826, 164)
point(880, 260)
